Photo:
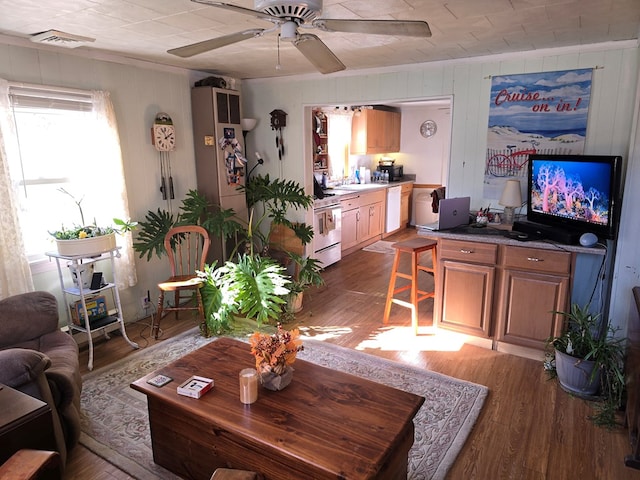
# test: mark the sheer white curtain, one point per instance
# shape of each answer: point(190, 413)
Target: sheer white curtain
point(110, 154)
point(103, 170)
point(15, 274)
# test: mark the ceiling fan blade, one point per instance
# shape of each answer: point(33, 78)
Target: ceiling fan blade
point(408, 28)
point(205, 46)
point(245, 11)
point(318, 53)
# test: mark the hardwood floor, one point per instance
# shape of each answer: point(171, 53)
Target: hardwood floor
point(529, 428)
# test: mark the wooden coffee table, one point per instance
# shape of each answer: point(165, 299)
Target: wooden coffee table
point(324, 425)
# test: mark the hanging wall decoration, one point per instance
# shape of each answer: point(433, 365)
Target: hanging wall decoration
point(534, 113)
point(163, 137)
point(278, 122)
point(234, 162)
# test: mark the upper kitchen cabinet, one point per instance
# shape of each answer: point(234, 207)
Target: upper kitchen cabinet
point(375, 130)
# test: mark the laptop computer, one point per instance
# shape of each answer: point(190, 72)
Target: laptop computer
point(453, 212)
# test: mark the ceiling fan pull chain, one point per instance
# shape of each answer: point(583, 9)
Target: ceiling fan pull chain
point(278, 66)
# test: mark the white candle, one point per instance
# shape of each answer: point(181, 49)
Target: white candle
point(248, 385)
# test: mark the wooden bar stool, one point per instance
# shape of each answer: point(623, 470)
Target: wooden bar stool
point(413, 247)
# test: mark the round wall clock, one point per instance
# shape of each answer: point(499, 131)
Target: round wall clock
point(428, 128)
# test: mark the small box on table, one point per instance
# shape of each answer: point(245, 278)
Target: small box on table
point(196, 386)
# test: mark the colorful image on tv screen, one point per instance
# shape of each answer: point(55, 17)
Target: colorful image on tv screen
point(573, 190)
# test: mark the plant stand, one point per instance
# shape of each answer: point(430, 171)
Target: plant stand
point(79, 291)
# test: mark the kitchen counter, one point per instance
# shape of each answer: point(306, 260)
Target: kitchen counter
point(498, 234)
point(351, 190)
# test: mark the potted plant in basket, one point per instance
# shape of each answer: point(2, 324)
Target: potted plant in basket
point(588, 361)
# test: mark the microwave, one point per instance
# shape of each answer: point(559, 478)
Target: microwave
point(394, 171)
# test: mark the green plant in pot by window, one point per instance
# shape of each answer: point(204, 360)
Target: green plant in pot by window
point(588, 360)
point(84, 230)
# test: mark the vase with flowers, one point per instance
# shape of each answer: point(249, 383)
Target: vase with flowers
point(274, 356)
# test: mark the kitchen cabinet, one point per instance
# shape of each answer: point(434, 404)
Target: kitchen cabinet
point(216, 118)
point(534, 284)
point(362, 219)
point(370, 221)
point(349, 237)
point(375, 130)
point(467, 273)
point(405, 202)
point(504, 293)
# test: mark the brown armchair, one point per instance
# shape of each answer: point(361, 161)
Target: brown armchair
point(38, 359)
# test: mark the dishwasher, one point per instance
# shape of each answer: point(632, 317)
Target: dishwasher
point(394, 200)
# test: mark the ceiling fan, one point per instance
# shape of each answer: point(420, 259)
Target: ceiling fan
point(288, 16)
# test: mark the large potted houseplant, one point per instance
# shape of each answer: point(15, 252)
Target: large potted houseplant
point(194, 210)
point(588, 359)
point(252, 283)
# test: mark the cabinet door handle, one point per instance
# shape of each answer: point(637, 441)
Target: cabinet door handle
point(534, 259)
point(466, 252)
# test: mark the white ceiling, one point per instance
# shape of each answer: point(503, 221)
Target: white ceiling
point(146, 29)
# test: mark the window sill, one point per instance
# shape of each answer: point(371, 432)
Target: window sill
point(42, 265)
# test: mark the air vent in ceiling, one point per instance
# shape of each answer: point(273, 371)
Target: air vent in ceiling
point(61, 39)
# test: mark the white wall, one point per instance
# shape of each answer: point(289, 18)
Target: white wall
point(426, 158)
point(137, 94)
point(468, 81)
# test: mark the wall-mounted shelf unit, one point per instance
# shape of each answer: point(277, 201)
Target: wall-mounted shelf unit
point(320, 142)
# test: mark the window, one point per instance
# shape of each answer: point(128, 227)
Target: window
point(58, 139)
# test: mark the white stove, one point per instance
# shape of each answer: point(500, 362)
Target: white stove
point(327, 226)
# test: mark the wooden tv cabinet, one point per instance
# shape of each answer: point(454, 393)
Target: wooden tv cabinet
point(501, 292)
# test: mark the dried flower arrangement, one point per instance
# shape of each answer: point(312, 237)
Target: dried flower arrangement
point(274, 353)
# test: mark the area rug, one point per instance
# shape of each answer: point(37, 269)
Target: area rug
point(381, 247)
point(115, 422)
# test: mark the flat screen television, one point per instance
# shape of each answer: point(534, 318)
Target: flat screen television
point(578, 193)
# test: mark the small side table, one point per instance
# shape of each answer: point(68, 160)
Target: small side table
point(25, 422)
